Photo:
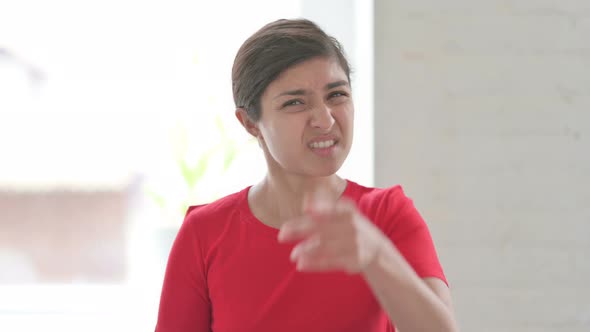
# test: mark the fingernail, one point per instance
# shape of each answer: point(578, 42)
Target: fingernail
point(299, 266)
point(282, 235)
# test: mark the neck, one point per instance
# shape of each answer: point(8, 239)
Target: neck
point(282, 197)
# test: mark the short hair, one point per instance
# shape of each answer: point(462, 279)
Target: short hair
point(271, 50)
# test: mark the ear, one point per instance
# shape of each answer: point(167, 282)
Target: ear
point(250, 126)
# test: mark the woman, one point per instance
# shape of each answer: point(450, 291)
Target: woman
point(303, 250)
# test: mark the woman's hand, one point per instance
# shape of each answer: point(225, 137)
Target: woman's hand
point(336, 237)
point(333, 236)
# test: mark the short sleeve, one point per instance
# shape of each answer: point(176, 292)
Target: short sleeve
point(184, 302)
point(408, 231)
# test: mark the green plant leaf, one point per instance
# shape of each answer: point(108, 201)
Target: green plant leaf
point(184, 207)
point(231, 150)
point(192, 175)
point(157, 198)
point(220, 127)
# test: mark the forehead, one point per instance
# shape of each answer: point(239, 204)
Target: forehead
point(314, 73)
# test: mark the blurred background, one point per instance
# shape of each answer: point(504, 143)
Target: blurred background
point(117, 115)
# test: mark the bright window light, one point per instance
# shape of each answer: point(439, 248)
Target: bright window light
point(114, 115)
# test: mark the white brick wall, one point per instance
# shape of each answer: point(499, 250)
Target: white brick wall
point(483, 114)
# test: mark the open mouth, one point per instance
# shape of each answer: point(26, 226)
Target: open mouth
point(323, 144)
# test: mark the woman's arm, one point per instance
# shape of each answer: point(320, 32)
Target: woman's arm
point(412, 303)
point(338, 237)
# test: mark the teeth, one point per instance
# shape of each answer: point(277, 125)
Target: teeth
point(322, 145)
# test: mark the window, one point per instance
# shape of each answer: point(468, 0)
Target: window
point(101, 103)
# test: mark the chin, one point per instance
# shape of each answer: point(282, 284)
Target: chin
point(324, 170)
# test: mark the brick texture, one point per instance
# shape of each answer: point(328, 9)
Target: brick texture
point(483, 115)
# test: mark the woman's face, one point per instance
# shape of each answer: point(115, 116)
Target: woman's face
point(306, 125)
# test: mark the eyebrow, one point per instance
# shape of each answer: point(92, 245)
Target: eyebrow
point(301, 92)
point(336, 84)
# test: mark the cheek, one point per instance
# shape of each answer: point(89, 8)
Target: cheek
point(345, 118)
point(282, 136)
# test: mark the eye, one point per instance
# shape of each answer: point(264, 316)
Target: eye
point(293, 102)
point(337, 94)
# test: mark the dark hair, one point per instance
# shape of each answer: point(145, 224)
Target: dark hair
point(273, 49)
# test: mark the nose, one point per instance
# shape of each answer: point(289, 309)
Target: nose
point(322, 118)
